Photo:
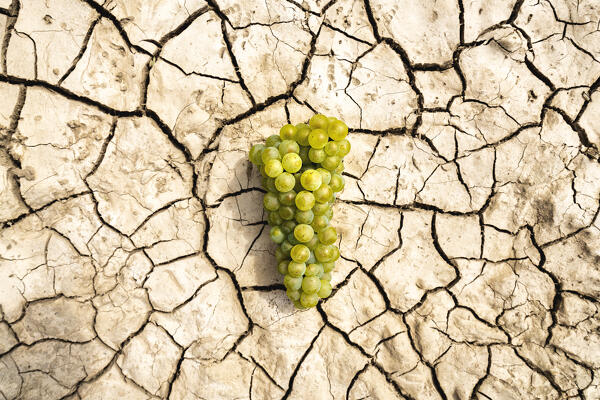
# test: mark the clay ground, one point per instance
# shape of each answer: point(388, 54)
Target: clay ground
point(135, 262)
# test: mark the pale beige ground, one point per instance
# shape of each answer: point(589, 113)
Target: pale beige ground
point(134, 260)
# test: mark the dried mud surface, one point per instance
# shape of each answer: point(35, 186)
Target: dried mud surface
point(134, 260)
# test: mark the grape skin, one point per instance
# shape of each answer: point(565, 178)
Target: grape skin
point(301, 169)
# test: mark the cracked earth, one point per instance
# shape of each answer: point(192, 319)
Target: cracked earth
point(134, 259)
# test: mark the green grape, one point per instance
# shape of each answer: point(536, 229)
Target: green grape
point(312, 259)
point(277, 234)
point(326, 276)
point(317, 138)
point(325, 289)
point(286, 247)
point(301, 135)
point(323, 253)
point(316, 155)
point(273, 168)
point(280, 255)
point(304, 155)
point(309, 300)
point(340, 168)
point(292, 239)
point(286, 212)
point(328, 235)
point(304, 200)
point(343, 147)
point(312, 243)
point(329, 213)
point(288, 226)
point(303, 233)
point(300, 253)
point(292, 283)
point(273, 141)
point(270, 153)
point(313, 270)
point(319, 121)
point(256, 153)
point(304, 217)
point(282, 267)
point(298, 187)
point(336, 253)
point(311, 179)
point(287, 132)
point(337, 182)
point(291, 162)
point(331, 120)
point(331, 148)
point(287, 198)
point(331, 162)
point(270, 202)
point(288, 147)
point(328, 266)
point(262, 172)
point(325, 175)
point(298, 305)
point(319, 223)
point(320, 208)
point(296, 269)
point(311, 284)
point(285, 182)
point(270, 185)
point(322, 194)
point(337, 130)
point(293, 295)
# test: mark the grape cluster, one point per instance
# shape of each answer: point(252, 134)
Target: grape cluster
point(301, 169)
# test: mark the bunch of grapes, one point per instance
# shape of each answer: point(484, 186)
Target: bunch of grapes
point(301, 169)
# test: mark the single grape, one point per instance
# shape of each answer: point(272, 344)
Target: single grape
point(313, 270)
point(299, 305)
point(273, 141)
point(292, 239)
point(343, 147)
point(331, 148)
point(325, 175)
point(277, 234)
point(340, 168)
point(273, 168)
point(309, 300)
point(311, 284)
point(303, 233)
point(293, 295)
point(256, 153)
point(298, 187)
point(328, 266)
point(296, 269)
point(282, 267)
point(262, 172)
point(337, 182)
point(288, 147)
point(317, 138)
point(286, 247)
point(286, 212)
point(285, 182)
point(300, 253)
point(304, 217)
point(287, 132)
point(288, 226)
point(270, 202)
point(292, 283)
point(323, 253)
point(280, 255)
point(336, 253)
point(301, 135)
point(319, 121)
point(291, 162)
point(312, 243)
point(337, 130)
point(320, 208)
point(331, 162)
point(326, 276)
point(270, 185)
point(311, 259)
point(329, 213)
point(287, 198)
point(331, 120)
point(270, 153)
point(316, 155)
point(304, 200)
point(328, 235)
point(325, 289)
point(319, 223)
point(311, 179)
point(322, 194)
point(304, 155)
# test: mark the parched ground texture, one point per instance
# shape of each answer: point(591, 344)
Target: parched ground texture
point(134, 260)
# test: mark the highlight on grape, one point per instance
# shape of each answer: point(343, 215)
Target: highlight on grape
point(302, 172)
